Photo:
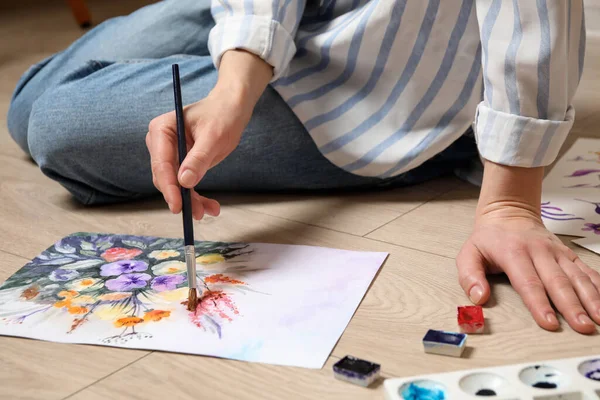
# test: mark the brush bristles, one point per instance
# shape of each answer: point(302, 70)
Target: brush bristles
point(192, 300)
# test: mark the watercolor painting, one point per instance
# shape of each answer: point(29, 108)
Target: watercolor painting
point(565, 215)
point(118, 280)
point(570, 201)
point(256, 300)
point(578, 169)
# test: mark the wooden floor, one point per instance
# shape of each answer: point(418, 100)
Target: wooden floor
point(422, 228)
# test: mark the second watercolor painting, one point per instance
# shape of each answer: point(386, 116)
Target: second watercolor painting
point(571, 194)
point(277, 304)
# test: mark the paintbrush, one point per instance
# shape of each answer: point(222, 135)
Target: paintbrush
point(188, 227)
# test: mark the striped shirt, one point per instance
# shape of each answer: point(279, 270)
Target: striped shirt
point(384, 85)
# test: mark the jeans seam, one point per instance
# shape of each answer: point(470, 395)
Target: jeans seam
point(91, 197)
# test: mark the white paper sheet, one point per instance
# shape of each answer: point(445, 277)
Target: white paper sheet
point(592, 244)
point(277, 304)
point(578, 168)
point(571, 193)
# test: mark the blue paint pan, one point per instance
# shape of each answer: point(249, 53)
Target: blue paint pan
point(444, 343)
point(357, 371)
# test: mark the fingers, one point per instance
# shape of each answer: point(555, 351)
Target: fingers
point(212, 207)
point(592, 273)
point(563, 282)
point(199, 159)
point(471, 274)
point(587, 284)
point(162, 144)
point(202, 205)
point(527, 283)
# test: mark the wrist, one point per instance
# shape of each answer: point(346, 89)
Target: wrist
point(510, 188)
point(243, 77)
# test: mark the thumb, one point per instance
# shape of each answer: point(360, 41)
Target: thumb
point(198, 160)
point(471, 274)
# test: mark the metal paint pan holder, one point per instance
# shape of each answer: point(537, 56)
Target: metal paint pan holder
point(564, 379)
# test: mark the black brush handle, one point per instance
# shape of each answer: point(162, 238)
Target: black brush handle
point(186, 197)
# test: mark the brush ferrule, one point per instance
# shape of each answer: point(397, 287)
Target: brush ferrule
point(190, 262)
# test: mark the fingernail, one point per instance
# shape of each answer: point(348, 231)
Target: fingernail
point(476, 294)
point(188, 178)
point(170, 207)
point(551, 318)
point(584, 319)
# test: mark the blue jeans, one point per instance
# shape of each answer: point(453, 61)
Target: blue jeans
point(83, 113)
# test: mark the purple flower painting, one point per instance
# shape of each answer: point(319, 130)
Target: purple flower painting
point(128, 282)
point(556, 213)
point(592, 228)
point(123, 267)
point(122, 282)
point(166, 282)
point(63, 275)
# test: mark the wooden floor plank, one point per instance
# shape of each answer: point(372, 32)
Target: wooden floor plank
point(354, 213)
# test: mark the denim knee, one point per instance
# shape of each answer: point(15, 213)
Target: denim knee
point(54, 143)
point(84, 144)
point(23, 97)
point(16, 121)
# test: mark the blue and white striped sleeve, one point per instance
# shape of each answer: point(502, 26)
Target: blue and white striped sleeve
point(533, 53)
point(265, 28)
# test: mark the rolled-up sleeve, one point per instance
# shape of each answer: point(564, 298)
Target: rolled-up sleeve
point(533, 52)
point(265, 28)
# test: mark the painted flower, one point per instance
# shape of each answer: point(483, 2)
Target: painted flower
point(210, 259)
point(114, 296)
point(67, 294)
point(119, 253)
point(167, 282)
point(123, 267)
point(128, 321)
point(77, 310)
point(83, 284)
point(128, 282)
point(156, 315)
point(169, 268)
point(220, 278)
point(592, 227)
point(63, 303)
point(164, 254)
point(31, 292)
point(214, 308)
point(63, 275)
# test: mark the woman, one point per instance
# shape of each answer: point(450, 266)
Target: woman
point(329, 94)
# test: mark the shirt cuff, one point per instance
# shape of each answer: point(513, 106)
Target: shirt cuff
point(520, 141)
point(262, 36)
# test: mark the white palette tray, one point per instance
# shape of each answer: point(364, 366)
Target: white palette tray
point(563, 379)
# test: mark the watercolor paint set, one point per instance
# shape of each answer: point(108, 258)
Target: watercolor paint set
point(564, 379)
